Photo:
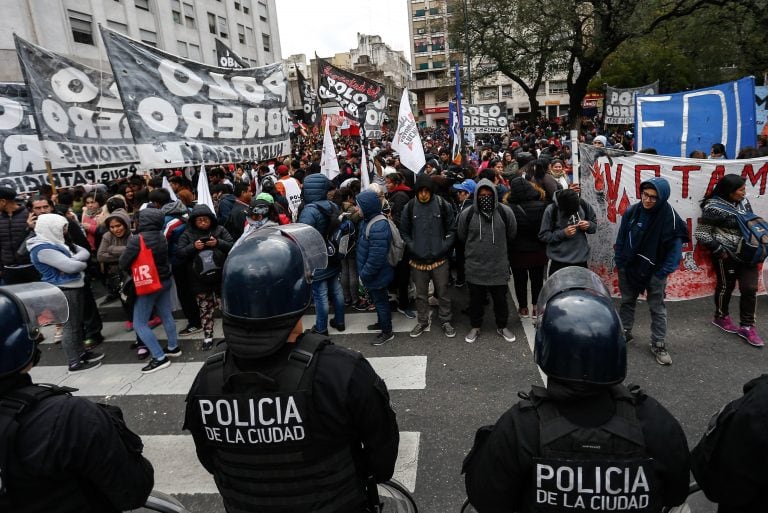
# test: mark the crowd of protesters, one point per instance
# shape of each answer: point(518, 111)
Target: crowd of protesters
point(511, 210)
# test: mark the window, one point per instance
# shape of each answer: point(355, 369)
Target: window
point(558, 87)
point(148, 37)
point(251, 37)
point(118, 27)
point(265, 42)
point(176, 11)
point(434, 10)
point(438, 64)
point(237, 6)
point(142, 4)
point(488, 93)
point(420, 46)
point(189, 15)
point(419, 13)
point(181, 48)
point(223, 30)
point(82, 27)
point(263, 18)
point(212, 23)
point(506, 91)
point(438, 43)
point(194, 52)
point(241, 33)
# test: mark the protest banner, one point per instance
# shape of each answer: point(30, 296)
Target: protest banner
point(676, 124)
point(78, 114)
point(227, 58)
point(329, 163)
point(761, 109)
point(362, 99)
point(610, 182)
point(309, 103)
point(620, 103)
point(488, 118)
point(185, 113)
point(407, 141)
point(21, 152)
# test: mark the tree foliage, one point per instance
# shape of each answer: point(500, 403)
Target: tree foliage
point(537, 39)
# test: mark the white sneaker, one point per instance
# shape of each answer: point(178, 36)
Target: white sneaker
point(506, 334)
point(472, 335)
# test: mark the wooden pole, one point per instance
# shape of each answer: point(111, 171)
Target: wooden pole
point(51, 181)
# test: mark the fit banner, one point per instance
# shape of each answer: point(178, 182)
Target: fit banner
point(309, 103)
point(677, 124)
point(78, 115)
point(362, 99)
point(488, 118)
point(185, 113)
point(620, 103)
point(227, 58)
point(610, 182)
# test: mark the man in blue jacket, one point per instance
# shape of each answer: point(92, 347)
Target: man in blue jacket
point(318, 212)
point(648, 249)
point(372, 265)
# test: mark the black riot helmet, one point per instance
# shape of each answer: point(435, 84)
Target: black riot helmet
point(23, 309)
point(267, 285)
point(579, 337)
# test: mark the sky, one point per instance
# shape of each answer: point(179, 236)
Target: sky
point(331, 26)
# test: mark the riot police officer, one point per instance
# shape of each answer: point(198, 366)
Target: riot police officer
point(57, 452)
point(585, 442)
point(287, 424)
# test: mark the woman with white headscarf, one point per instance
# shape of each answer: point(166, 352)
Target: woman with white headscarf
point(62, 265)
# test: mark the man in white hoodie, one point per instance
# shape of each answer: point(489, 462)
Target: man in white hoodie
point(62, 266)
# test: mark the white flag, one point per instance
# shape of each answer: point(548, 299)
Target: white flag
point(167, 187)
point(329, 164)
point(203, 193)
point(365, 179)
point(407, 140)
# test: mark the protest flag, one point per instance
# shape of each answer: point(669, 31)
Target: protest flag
point(329, 164)
point(203, 193)
point(407, 141)
point(365, 179)
point(167, 187)
point(457, 122)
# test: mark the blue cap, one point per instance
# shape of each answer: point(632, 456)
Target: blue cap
point(466, 186)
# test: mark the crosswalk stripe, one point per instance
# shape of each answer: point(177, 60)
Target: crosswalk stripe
point(178, 471)
point(126, 379)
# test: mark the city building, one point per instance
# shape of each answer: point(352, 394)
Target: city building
point(188, 28)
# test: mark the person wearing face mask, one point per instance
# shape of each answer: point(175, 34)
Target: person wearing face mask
point(564, 229)
point(62, 266)
point(487, 230)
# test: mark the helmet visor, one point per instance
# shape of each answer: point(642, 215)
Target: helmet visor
point(43, 303)
point(570, 278)
point(311, 244)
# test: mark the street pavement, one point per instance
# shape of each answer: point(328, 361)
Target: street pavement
point(442, 389)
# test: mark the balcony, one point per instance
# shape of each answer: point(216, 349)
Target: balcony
point(430, 83)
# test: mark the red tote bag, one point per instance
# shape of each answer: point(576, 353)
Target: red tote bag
point(145, 277)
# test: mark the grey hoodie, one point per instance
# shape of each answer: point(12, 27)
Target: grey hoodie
point(487, 240)
point(561, 248)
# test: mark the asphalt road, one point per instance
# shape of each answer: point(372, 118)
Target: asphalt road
point(443, 390)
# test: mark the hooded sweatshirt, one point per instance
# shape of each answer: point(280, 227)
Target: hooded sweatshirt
point(186, 251)
point(51, 255)
point(427, 228)
point(111, 247)
point(149, 226)
point(487, 239)
point(650, 241)
point(560, 247)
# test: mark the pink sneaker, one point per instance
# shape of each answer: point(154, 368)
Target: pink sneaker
point(725, 324)
point(128, 326)
point(155, 321)
point(749, 333)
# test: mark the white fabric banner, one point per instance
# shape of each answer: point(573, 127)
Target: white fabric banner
point(407, 140)
point(365, 178)
point(611, 183)
point(329, 164)
point(203, 192)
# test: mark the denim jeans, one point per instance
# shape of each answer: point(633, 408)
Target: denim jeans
point(320, 291)
point(142, 310)
point(380, 298)
point(654, 297)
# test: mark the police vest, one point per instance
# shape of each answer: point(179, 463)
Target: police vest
point(258, 427)
point(12, 406)
point(592, 469)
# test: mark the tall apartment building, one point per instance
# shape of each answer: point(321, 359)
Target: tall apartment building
point(182, 27)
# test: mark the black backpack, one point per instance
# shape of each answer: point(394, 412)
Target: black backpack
point(208, 264)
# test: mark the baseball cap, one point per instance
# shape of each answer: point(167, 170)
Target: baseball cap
point(8, 193)
point(466, 186)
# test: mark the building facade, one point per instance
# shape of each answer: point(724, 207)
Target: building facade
point(188, 28)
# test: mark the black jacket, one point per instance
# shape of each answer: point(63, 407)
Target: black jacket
point(499, 469)
point(150, 224)
point(428, 229)
point(185, 249)
point(528, 207)
point(72, 457)
point(13, 231)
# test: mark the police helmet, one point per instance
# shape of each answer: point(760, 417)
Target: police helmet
point(579, 337)
point(268, 276)
point(23, 309)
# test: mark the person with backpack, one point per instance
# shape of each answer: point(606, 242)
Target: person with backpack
point(398, 196)
point(350, 220)
point(719, 231)
point(729, 461)
point(80, 453)
point(374, 269)
point(202, 249)
point(648, 248)
point(323, 215)
point(564, 229)
point(585, 442)
point(487, 229)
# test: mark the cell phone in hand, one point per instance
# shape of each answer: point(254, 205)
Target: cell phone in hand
point(574, 219)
